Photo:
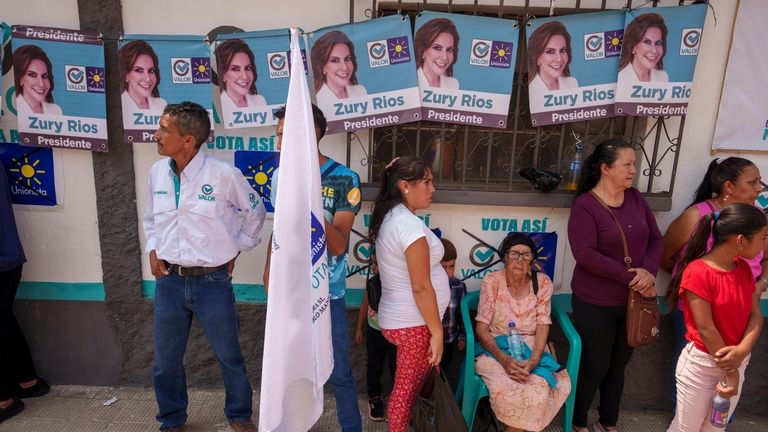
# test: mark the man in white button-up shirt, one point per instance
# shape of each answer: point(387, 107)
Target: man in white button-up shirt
point(200, 214)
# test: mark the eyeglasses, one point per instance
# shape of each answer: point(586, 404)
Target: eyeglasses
point(515, 255)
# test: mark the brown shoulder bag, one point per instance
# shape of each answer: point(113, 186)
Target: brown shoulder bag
point(642, 312)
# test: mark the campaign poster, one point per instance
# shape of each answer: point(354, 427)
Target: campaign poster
point(253, 70)
point(572, 62)
point(364, 74)
point(73, 113)
point(658, 58)
point(465, 66)
point(158, 70)
point(30, 174)
point(742, 118)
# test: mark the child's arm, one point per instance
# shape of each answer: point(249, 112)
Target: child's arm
point(702, 316)
point(362, 316)
point(729, 358)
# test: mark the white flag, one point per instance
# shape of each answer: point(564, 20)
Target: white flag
point(298, 355)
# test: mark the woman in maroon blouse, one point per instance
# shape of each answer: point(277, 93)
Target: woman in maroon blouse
point(601, 281)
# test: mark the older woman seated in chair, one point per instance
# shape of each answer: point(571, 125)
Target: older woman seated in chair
point(525, 394)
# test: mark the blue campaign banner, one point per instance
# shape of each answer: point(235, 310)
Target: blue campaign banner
point(73, 113)
point(465, 66)
point(258, 167)
point(365, 74)
point(658, 58)
point(158, 70)
point(30, 174)
point(572, 62)
point(253, 70)
point(546, 252)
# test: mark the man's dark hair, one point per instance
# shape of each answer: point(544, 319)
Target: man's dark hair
point(317, 114)
point(191, 119)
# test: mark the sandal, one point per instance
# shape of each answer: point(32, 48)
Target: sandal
point(600, 428)
point(40, 388)
point(11, 410)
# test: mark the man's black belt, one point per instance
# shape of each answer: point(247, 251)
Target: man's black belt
point(194, 271)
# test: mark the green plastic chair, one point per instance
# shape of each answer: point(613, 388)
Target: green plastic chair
point(474, 388)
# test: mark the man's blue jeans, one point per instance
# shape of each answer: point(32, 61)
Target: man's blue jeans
point(211, 300)
point(341, 379)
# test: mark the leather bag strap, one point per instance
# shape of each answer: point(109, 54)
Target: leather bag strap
point(627, 258)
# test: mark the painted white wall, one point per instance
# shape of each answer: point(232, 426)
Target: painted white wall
point(62, 243)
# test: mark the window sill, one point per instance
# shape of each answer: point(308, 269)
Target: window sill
point(516, 198)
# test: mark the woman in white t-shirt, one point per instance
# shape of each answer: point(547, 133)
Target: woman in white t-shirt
point(415, 289)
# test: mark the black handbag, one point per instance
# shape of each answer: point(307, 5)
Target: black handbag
point(435, 408)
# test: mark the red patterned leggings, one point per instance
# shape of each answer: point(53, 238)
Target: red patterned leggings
point(412, 364)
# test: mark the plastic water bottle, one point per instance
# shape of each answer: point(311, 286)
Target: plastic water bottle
point(515, 342)
point(574, 169)
point(720, 407)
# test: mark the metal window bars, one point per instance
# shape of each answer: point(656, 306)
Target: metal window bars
point(476, 165)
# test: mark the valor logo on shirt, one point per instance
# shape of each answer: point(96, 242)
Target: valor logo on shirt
point(207, 193)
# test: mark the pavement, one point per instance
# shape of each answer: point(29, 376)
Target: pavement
point(83, 409)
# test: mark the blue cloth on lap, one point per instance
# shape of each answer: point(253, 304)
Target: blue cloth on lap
point(547, 365)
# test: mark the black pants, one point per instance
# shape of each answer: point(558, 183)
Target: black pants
point(15, 361)
point(379, 351)
point(446, 363)
point(604, 356)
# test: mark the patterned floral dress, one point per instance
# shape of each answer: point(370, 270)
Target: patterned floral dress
point(533, 404)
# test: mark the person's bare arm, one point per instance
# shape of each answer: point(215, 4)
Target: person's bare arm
point(337, 233)
point(678, 233)
point(417, 258)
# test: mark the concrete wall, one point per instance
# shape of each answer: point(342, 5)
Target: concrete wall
point(83, 302)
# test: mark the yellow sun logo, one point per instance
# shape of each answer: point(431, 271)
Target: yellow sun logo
point(260, 178)
point(27, 171)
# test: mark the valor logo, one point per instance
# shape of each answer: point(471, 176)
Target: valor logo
point(593, 46)
point(480, 54)
point(363, 250)
point(181, 70)
point(377, 53)
point(207, 194)
point(75, 78)
point(481, 255)
point(278, 64)
point(690, 40)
